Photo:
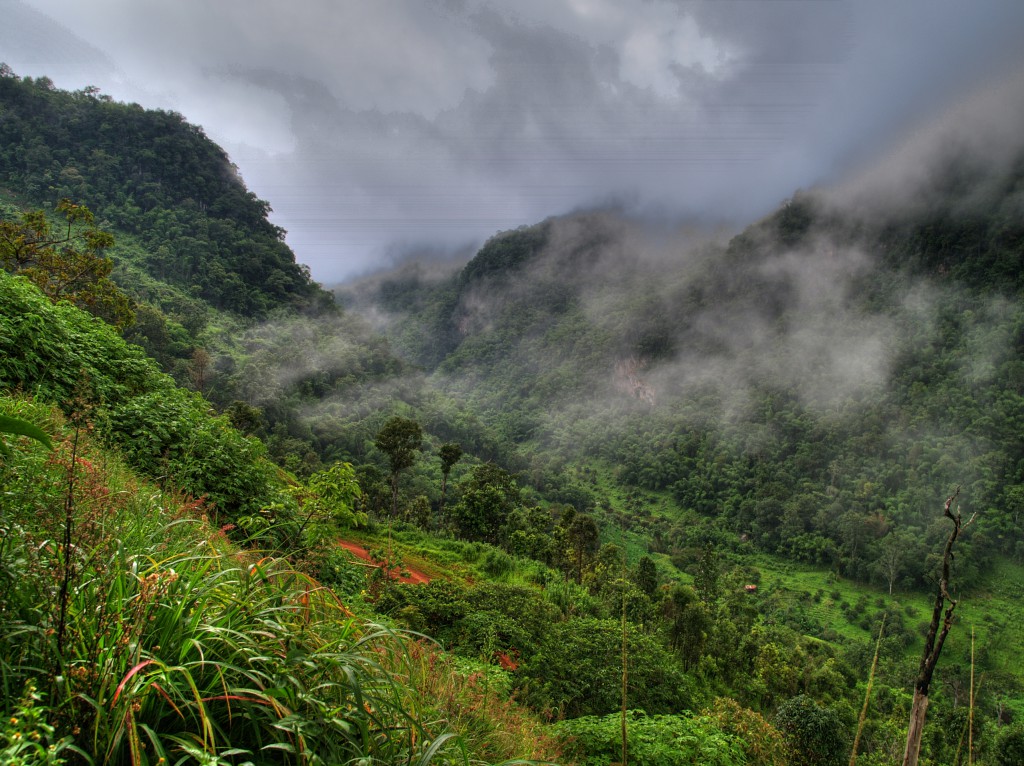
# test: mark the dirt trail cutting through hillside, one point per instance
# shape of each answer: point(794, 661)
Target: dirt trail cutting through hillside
point(402, 574)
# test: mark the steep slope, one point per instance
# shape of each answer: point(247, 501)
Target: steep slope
point(64, 356)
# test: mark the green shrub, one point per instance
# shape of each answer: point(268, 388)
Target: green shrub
point(815, 733)
point(577, 671)
point(75, 360)
point(653, 740)
point(1009, 747)
point(497, 564)
point(170, 434)
point(28, 739)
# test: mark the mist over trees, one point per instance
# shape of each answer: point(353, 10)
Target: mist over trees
point(802, 387)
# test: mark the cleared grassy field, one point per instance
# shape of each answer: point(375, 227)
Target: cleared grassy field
point(991, 607)
point(834, 608)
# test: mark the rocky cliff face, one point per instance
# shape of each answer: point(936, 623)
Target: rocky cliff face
point(627, 380)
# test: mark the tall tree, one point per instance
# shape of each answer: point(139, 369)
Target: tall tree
point(199, 369)
point(584, 540)
point(646, 576)
point(705, 579)
point(331, 496)
point(400, 439)
point(489, 495)
point(689, 624)
point(895, 550)
point(450, 454)
point(937, 632)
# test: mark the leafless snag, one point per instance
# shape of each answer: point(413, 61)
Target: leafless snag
point(942, 621)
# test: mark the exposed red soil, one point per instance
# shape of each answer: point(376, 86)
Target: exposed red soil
point(403, 574)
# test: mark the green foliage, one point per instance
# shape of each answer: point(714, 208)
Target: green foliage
point(782, 450)
point(487, 497)
point(450, 454)
point(815, 733)
point(474, 697)
point(69, 266)
point(504, 254)
point(437, 606)
point(497, 564)
point(705, 581)
point(582, 539)
point(761, 742)
point(479, 621)
point(28, 738)
point(646, 577)
point(169, 433)
point(1009, 748)
point(335, 492)
point(972, 210)
point(164, 431)
point(400, 439)
point(653, 740)
point(177, 646)
point(774, 456)
point(576, 671)
point(526, 532)
point(19, 427)
point(689, 624)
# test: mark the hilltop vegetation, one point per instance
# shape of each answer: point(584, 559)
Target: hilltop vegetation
point(717, 464)
point(155, 176)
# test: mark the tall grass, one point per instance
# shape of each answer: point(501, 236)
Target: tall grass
point(176, 647)
point(475, 700)
point(202, 654)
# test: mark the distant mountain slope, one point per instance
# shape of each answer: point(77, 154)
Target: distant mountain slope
point(852, 356)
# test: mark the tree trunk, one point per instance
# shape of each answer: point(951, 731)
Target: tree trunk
point(937, 632)
point(444, 487)
point(917, 712)
point(867, 693)
point(625, 677)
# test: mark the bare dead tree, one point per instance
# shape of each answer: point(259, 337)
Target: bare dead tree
point(942, 621)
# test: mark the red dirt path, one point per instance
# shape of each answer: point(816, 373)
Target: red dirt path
point(405, 574)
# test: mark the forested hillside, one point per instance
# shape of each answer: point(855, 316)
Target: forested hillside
point(641, 467)
point(813, 385)
point(812, 388)
point(155, 176)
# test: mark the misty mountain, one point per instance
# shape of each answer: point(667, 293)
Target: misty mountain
point(857, 352)
point(808, 390)
point(852, 356)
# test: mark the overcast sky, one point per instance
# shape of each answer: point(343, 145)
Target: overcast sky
point(379, 127)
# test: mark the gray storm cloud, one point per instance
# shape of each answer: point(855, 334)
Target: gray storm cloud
point(378, 128)
point(980, 134)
